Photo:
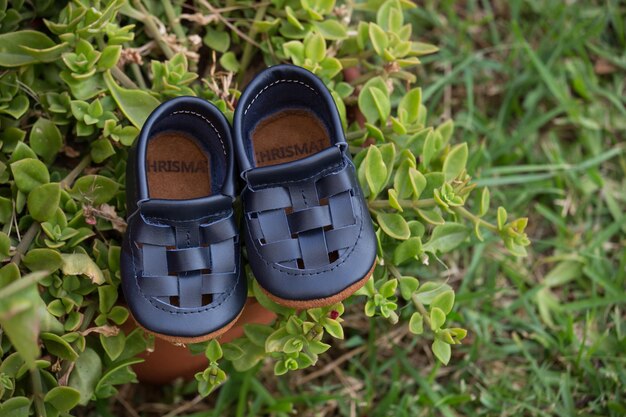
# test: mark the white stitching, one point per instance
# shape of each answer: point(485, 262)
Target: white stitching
point(206, 120)
point(274, 83)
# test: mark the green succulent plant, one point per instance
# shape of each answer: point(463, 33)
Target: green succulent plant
point(72, 100)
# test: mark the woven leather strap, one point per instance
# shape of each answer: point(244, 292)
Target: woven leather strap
point(186, 259)
point(307, 224)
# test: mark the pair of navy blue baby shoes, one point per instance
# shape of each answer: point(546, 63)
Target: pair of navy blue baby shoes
point(308, 233)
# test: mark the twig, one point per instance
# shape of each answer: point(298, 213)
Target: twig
point(227, 23)
point(126, 406)
point(184, 407)
point(394, 334)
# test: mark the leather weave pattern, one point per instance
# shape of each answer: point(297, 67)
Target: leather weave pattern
point(301, 224)
point(185, 259)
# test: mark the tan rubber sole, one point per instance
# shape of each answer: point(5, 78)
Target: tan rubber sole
point(321, 302)
point(197, 339)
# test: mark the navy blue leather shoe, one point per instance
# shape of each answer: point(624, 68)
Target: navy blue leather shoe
point(309, 236)
point(181, 272)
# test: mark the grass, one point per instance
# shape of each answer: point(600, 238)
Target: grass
point(538, 90)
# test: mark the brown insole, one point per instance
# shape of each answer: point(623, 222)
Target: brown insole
point(288, 136)
point(177, 168)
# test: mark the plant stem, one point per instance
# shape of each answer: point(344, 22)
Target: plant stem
point(418, 304)
point(248, 50)
point(123, 78)
point(174, 23)
point(138, 76)
point(22, 247)
point(411, 204)
point(74, 173)
point(429, 203)
point(35, 378)
point(463, 212)
point(153, 30)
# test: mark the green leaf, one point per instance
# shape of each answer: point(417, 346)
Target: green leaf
point(446, 237)
point(81, 264)
point(366, 101)
point(446, 129)
point(429, 290)
point(389, 16)
point(331, 30)
point(379, 38)
point(45, 139)
point(18, 312)
point(5, 245)
point(85, 375)
point(444, 301)
point(388, 289)
point(314, 47)
point(15, 407)
point(119, 373)
point(502, 216)
point(291, 18)
point(218, 40)
point(483, 207)
point(295, 51)
point(29, 173)
point(232, 351)
point(407, 250)
point(437, 318)
point(110, 56)
point(416, 323)
point(213, 351)
point(394, 225)
point(17, 106)
point(42, 259)
point(442, 351)
point(229, 62)
point(562, 273)
point(333, 328)
point(381, 102)
point(101, 149)
point(58, 346)
point(135, 104)
point(430, 148)
point(455, 161)
point(375, 171)
point(431, 216)
point(113, 345)
point(62, 399)
point(43, 201)
point(402, 182)
point(408, 285)
point(409, 106)
point(95, 189)
point(417, 181)
point(392, 195)
point(107, 296)
point(267, 303)
point(420, 48)
point(25, 47)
